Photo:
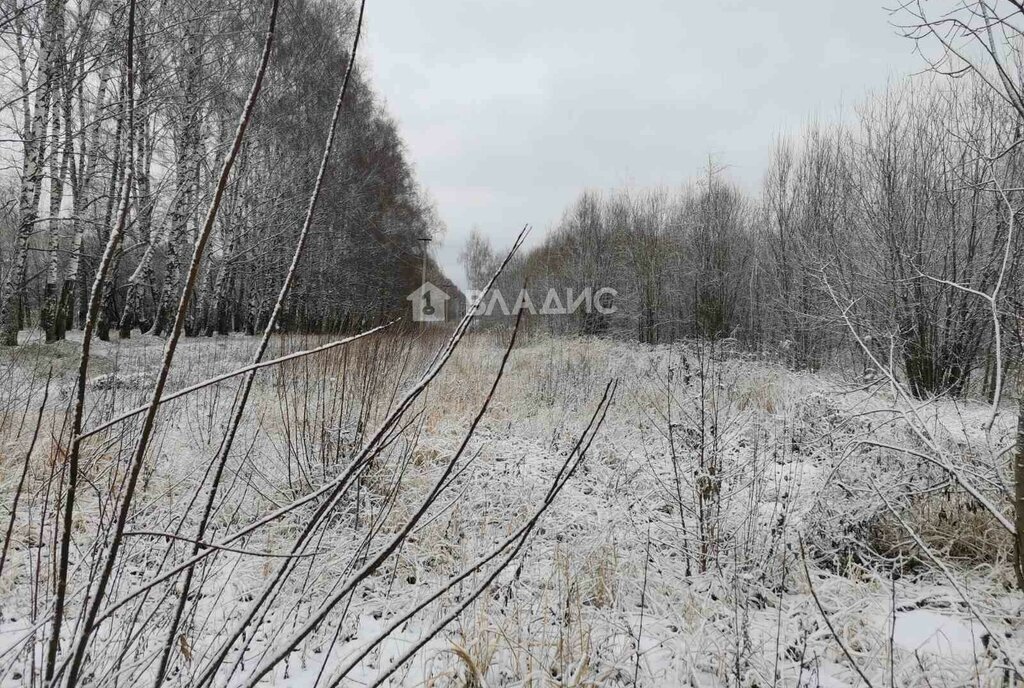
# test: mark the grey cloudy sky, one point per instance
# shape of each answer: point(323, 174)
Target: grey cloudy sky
point(510, 108)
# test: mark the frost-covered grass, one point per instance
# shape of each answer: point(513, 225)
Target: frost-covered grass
point(672, 557)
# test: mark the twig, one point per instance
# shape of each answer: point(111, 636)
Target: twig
point(235, 373)
point(92, 316)
point(24, 472)
point(643, 604)
point(168, 358)
point(824, 615)
point(210, 545)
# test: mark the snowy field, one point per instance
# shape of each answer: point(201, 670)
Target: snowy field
point(733, 523)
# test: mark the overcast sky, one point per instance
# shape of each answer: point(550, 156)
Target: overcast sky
point(510, 108)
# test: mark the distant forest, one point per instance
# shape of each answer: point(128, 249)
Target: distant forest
point(896, 226)
point(77, 157)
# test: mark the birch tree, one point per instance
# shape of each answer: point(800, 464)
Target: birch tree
point(34, 157)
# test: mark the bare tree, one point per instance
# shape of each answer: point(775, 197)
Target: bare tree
point(34, 143)
point(478, 259)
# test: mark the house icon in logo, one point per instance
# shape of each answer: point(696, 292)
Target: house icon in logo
point(428, 303)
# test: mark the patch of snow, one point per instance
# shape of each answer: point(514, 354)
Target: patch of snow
point(922, 630)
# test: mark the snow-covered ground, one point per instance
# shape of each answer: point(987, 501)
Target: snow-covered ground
point(728, 527)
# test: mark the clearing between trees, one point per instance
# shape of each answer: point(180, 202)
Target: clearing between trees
point(724, 520)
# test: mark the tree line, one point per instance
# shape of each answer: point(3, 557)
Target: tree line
point(77, 156)
point(893, 225)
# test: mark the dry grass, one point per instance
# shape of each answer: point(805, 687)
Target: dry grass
point(950, 523)
point(568, 612)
